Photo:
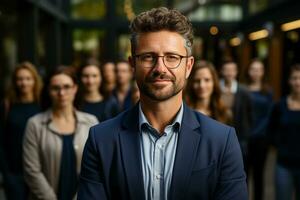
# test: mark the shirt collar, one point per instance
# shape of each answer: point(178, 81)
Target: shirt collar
point(143, 119)
point(234, 86)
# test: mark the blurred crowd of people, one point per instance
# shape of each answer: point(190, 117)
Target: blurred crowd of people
point(45, 124)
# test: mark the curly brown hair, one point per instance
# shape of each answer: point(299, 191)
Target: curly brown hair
point(158, 19)
point(218, 110)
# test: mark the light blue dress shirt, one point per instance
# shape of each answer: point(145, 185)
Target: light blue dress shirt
point(158, 155)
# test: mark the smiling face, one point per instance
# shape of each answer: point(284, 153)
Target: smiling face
point(160, 83)
point(24, 81)
point(91, 78)
point(62, 90)
point(203, 84)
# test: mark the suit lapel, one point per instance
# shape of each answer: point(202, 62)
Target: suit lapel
point(130, 150)
point(188, 141)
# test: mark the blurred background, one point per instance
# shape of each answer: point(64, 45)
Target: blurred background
point(52, 32)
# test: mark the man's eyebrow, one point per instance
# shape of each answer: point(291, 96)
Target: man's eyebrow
point(146, 52)
point(172, 52)
point(151, 52)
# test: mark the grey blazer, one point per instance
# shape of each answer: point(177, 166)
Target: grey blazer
point(42, 147)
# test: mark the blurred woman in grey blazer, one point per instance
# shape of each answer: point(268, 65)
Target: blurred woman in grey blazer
point(54, 141)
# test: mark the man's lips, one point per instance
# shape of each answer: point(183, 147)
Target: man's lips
point(161, 80)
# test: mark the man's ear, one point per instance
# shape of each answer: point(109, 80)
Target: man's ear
point(189, 66)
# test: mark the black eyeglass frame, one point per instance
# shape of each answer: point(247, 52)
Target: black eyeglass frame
point(157, 56)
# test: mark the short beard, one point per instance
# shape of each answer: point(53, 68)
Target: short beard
point(155, 93)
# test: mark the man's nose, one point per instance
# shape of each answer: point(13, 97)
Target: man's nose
point(159, 65)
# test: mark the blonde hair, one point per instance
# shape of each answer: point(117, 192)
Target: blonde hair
point(13, 93)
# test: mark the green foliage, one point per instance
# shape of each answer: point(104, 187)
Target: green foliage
point(88, 9)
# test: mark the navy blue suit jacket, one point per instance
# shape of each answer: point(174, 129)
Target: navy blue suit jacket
point(208, 162)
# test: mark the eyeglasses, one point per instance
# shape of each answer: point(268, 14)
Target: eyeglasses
point(58, 88)
point(149, 60)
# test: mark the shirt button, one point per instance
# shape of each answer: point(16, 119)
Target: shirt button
point(76, 146)
point(158, 176)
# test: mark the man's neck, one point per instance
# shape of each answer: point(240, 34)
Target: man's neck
point(161, 113)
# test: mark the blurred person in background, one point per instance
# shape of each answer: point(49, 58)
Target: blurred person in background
point(203, 92)
point(237, 98)
point(135, 93)
point(261, 97)
point(92, 101)
point(284, 135)
point(21, 102)
point(108, 71)
point(54, 141)
point(123, 91)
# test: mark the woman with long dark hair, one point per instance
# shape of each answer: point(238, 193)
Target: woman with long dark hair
point(203, 92)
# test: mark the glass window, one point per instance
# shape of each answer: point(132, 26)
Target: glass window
point(224, 12)
point(262, 48)
point(256, 6)
point(88, 9)
point(130, 8)
point(87, 44)
point(198, 48)
point(124, 46)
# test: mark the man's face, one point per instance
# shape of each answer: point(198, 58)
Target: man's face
point(160, 83)
point(229, 72)
point(124, 73)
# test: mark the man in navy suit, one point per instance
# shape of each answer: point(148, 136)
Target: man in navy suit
point(161, 149)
